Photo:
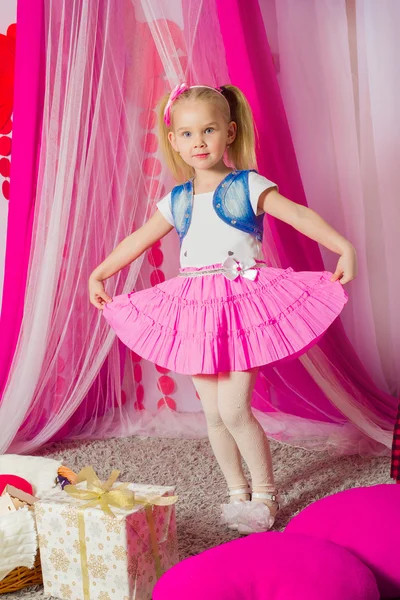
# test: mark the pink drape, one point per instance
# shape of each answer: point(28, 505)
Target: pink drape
point(26, 130)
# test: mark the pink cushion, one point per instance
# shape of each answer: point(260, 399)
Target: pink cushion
point(270, 565)
point(16, 481)
point(364, 520)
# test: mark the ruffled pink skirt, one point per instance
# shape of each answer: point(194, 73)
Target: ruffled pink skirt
point(210, 324)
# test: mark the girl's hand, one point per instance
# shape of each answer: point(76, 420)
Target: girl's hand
point(97, 294)
point(346, 269)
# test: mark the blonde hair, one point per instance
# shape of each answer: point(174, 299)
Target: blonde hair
point(241, 153)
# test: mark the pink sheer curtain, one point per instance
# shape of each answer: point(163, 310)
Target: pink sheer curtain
point(331, 371)
point(99, 177)
point(339, 79)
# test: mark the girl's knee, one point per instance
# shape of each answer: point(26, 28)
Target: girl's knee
point(235, 416)
point(214, 419)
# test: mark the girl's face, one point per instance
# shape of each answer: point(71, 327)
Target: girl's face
point(200, 133)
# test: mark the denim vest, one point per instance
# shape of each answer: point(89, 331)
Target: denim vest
point(231, 202)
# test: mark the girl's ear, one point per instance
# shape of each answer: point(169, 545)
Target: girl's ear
point(232, 130)
point(171, 139)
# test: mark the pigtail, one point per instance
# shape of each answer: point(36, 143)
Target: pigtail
point(241, 153)
point(179, 169)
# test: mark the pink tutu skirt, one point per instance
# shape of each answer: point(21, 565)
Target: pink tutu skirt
point(210, 324)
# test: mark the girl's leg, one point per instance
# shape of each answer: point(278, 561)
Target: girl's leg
point(234, 402)
point(222, 442)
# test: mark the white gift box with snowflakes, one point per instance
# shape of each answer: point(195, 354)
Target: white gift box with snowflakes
point(116, 560)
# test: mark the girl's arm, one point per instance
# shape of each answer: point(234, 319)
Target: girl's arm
point(132, 247)
point(311, 224)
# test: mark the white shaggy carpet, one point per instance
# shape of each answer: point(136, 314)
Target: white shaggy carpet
point(190, 465)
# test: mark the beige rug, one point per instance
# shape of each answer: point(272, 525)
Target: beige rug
point(190, 465)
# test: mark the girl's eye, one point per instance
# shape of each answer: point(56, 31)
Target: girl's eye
point(187, 133)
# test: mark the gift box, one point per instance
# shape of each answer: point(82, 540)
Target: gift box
point(106, 541)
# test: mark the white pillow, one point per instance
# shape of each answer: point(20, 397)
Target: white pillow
point(18, 544)
point(39, 471)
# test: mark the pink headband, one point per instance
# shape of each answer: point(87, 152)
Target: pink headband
point(177, 91)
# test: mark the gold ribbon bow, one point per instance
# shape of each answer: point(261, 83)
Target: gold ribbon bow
point(104, 495)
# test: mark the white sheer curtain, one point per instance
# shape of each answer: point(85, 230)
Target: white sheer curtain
point(107, 65)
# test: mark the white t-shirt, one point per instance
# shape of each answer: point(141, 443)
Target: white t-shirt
point(209, 239)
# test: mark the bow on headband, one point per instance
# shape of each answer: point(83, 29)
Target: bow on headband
point(234, 269)
point(177, 91)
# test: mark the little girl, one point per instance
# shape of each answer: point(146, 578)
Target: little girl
point(226, 313)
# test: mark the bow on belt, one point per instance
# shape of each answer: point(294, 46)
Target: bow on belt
point(233, 268)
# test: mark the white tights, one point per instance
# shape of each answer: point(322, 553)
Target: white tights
point(233, 430)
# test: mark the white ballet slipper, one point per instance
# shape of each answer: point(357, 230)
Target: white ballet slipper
point(231, 514)
point(255, 517)
point(259, 516)
point(229, 511)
